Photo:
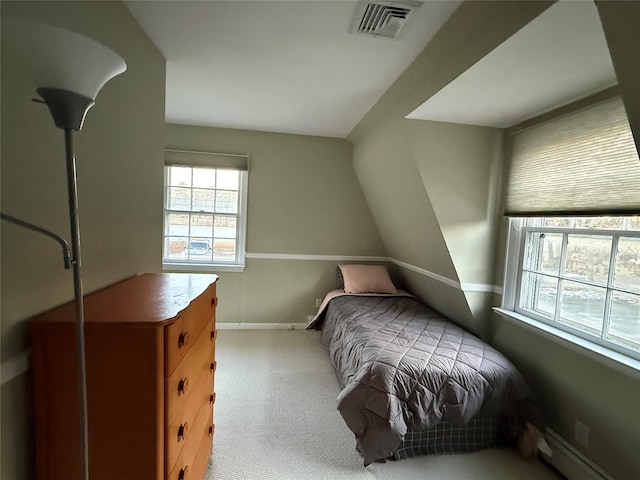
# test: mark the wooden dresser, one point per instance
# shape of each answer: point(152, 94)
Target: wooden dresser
point(150, 355)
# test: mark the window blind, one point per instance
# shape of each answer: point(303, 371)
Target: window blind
point(206, 159)
point(582, 163)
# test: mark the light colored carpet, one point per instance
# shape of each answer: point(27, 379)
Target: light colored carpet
point(276, 418)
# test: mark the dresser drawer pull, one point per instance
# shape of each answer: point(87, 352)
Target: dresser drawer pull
point(183, 384)
point(212, 429)
point(214, 302)
point(183, 339)
point(182, 431)
point(213, 366)
point(184, 471)
point(213, 334)
point(212, 398)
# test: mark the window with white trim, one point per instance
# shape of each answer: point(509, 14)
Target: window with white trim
point(573, 198)
point(580, 275)
point(204, 217)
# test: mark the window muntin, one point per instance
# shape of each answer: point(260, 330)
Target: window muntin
point(203, 216)
point(581, 275)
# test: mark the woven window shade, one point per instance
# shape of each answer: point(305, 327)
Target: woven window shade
point(206, 159)
point(583, 163)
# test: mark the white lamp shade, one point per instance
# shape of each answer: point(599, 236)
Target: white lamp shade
point(62, 59)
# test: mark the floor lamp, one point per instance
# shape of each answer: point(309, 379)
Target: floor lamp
point(68, 70)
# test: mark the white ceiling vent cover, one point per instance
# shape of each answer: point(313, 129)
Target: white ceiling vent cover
point(382, 19)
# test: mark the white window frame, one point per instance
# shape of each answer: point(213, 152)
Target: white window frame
point(602, 349)
point(241, 224)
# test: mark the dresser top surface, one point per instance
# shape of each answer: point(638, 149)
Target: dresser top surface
point(151, 298)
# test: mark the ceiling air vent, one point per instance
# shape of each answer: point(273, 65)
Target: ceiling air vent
point(382, 19)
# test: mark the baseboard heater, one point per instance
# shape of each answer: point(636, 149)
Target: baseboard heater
point(570, 462)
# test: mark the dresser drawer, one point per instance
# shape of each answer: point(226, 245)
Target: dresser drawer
point(192, 380)
point(192, 459)
point(204, 452)
point(181, 428)
point(189, 323)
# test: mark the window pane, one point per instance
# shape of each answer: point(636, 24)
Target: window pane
point(599, 223)
point(226, 201)
point(204, 177)
point(533, 251)
point(560, 222)
point(632, 223)
point(543, 252)
point(551, 251)
point(627, 269)
point(179, 176)
point(201, 225)
point(203, 200)
point(199, 249)
point(225, 226)
point(588, 258)
point(582, 307)
point(176, 224)
point(624, 320)
point(175, 248)
point(224, 250)
point(179, 198)
point(539, 294)
point(228, 180)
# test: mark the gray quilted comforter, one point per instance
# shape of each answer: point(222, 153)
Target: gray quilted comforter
point(404, 367)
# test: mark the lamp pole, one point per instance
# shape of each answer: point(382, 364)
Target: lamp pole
point(69, 110)
point(76, 264)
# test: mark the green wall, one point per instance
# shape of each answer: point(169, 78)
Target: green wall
point(120, 158)
point(448, 180)
point(422, 193)
point(303, 200)
point(460, 168)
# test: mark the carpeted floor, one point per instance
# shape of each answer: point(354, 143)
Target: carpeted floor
point(276, 418)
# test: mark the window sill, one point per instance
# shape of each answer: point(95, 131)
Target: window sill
point(596, 352)
point(212, 268)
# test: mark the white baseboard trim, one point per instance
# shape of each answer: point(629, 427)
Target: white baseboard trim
point(15, 366)
point(572, 463)
point(260, 326)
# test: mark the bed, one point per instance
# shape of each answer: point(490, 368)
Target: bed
point(414, 383)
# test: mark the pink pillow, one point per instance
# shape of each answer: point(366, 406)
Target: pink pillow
point(367, 279)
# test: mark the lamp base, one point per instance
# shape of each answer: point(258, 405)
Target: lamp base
point(67, 108)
